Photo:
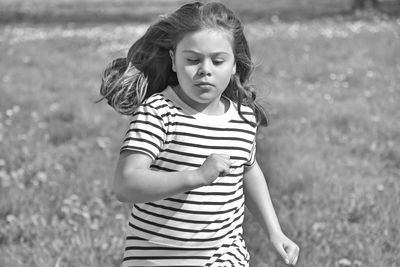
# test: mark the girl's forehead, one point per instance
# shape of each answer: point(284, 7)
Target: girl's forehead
point(207, 39)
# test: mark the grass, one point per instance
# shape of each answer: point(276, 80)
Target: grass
point(101, 11)
point(331, 153)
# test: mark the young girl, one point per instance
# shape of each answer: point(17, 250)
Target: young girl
point(188, 159)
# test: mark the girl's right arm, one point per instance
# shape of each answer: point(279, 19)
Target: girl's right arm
point(135, 182)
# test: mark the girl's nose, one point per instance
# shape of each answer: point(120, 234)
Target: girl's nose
point(204, 68)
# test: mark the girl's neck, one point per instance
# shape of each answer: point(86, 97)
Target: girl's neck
point(219, 106)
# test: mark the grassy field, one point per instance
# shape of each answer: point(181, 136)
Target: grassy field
point(84, 11)
point(331, 153)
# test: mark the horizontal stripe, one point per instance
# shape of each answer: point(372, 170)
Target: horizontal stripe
point(181, 163)
point(174, 218)
point(239, 122)
point(174, 162)
point(201, 136)
point(141, 140)
point(225, 129)
point(235, 218)
point(207, 147)
point(190, 211)
point(144, 114)
point(187, 230)
point(185, 239)
point(159, 248)
point(164, 258)
point(141, 149)
point(153, 166)
point(163, 105)
point(147, 123)
point(205, 202)
point(142, 131)
point(154, 99)
point(184, 153)
point(212, 193)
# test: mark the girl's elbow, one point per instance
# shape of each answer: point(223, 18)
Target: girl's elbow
point(120, 193)
point(125, 189)
point(122, 189)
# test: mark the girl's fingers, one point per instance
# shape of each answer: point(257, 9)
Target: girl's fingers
point(282, 252)
point(295, 259)
point(293, 253)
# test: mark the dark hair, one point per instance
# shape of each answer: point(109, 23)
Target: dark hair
point(147, 69)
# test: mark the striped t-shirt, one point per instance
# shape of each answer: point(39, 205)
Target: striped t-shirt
point(178, 138)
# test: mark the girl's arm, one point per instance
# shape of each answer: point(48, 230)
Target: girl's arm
point(258, 201)
point(135, 182)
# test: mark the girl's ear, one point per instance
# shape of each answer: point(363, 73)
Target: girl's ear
point(234, 69)
point(171, 54)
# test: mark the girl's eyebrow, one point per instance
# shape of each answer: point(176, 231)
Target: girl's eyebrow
point(213, 54)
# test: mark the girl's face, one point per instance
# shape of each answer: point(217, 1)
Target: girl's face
point(204, 63)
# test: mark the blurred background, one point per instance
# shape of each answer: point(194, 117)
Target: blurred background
point(328, 72)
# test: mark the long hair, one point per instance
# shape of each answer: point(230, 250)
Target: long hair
point(147, 68)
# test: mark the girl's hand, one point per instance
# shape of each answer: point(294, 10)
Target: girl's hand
point(288, 250)
point(215, 165)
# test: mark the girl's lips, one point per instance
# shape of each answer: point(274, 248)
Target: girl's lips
point(204, 84)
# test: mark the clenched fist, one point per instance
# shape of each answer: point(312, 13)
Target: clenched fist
point(214, 166)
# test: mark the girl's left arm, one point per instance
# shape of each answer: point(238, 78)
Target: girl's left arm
point(258, 201)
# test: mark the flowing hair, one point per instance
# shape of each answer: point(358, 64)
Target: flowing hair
point(147, 68)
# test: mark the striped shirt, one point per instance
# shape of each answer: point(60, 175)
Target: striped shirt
point(178, 138)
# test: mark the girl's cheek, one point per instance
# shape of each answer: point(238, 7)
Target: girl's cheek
point(190, 70)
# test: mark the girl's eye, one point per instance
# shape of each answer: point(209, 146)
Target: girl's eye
point(192, 60)
point(218, 62)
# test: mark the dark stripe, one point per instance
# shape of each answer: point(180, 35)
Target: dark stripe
point(210, 128)
point(169, 248)
point(200, 136)
point(156, 97)
point(178, 162)
point(165, 258)
point(162, 168)
point(154, 166)
point(220, 222)
point(176, 265)
point(146, 132)
point(146, 114)
point(223, 261)
point(190, 211)
point(233, 255)
point(239, 122)
point(197, 155)
point(141, 140)
point(244, 256)
point(184, 163)
point(206, 147)
point(175, 228)
point(220, 227)
point(186, 239)
point(148, 123)
point(204, 202)
point(213, 193)
point(135, 148)
point(173, 218)
point(184, 153)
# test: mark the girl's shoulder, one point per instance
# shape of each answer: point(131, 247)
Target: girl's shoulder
point(160, 103)
point(246, 113)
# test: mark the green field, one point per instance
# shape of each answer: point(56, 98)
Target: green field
point(331, 153)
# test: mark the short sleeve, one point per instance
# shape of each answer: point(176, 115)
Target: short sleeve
point(146, 132)
point(252, 156)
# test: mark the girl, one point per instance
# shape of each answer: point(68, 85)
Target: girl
point(188, 159)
